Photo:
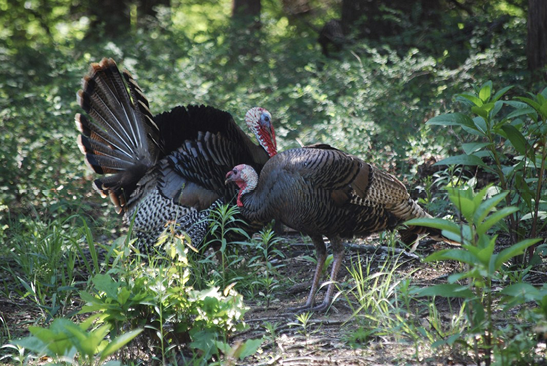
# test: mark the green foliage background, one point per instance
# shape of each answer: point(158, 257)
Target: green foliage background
point(372, 99)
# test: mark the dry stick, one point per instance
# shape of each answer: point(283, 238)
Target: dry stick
point(373, 248)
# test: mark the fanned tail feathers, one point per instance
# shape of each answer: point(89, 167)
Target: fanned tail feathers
point(121, 138)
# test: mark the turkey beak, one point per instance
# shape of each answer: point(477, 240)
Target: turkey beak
point(228, 178)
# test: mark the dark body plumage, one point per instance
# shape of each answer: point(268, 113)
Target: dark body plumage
point(323, 191)
point(155, 167)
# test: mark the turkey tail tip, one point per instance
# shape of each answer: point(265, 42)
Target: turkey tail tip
point(98, 186)
point(81, 123)
point(105, 63)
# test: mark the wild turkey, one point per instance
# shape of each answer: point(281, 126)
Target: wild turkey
point(156, 169)
point(319, 190)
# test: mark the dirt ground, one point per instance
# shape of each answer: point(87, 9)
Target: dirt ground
point(326, 341)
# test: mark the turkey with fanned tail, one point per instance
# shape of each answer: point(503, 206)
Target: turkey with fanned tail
point(164, 168)
point(319, 190)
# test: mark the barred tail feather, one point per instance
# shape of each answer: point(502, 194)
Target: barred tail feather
point(121, 137)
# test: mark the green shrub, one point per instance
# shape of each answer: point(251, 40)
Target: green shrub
point(512, 145)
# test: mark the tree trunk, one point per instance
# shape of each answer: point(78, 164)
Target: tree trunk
point(109, 16)
point(148, 7)
point(246, 27)
point(246, 9)
point(536, 44)
point(352, 12)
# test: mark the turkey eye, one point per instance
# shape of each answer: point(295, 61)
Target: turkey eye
point(267, 119)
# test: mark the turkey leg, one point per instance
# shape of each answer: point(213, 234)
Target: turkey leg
point(321, 251)
point(338, 254)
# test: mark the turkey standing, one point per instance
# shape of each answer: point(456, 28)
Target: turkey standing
point(320, 190)
point(158, 170)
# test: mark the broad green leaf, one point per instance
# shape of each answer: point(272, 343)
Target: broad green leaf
point(487, 206)
point(43, 334)
point(35, 345)
point(459, 255)
point(452, 119)
point(119, 342)
point(522, 111)
point(479, 196)
point(472, 147)
point(95, 338)
point(514, 250)
point(517, 139)
point(496, 109)
point(123, 295)
point(105, 284)
point(486, 91)
point(493, 219)
point(480, 124)
point(523, 289)
point(480, 111)
point(447, 290)
point(456, 277)
point(500, 93)
point(454, 237)
point(487, 249)
point(57, 341)
point(530, 102)
point(469, 160)
point(248, 348)
point(477, 101)
point(435, 223)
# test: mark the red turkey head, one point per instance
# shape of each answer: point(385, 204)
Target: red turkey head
point(259, 121)
point(245, 177)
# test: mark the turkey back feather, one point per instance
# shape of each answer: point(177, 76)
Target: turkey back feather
point(324, 190)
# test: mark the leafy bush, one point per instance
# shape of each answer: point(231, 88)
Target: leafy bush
point(158, 298)
point(485, 269)
point(512, 145)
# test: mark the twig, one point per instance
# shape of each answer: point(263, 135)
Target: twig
point(374, 249)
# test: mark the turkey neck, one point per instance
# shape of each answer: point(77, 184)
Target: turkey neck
point(255, 206)
point(264, 201)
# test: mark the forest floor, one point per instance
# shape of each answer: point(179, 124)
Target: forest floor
point(339, 336)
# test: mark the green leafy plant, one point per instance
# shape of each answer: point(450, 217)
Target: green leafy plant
point(159, 298)
point(225, 235)
point(476, 284)
point(77, 344)
point(261, 263)
point(515, 144)
point(303, 321)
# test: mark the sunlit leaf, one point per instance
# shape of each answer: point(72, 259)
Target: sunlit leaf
point(475, 100)
point(486, 91)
